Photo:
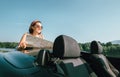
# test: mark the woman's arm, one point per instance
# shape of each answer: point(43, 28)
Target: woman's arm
point(22, 43)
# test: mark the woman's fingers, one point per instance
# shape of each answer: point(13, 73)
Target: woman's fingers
point(22, 45)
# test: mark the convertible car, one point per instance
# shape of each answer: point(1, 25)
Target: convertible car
point(65, 60)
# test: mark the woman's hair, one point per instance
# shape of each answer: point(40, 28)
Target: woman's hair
point(32, 25)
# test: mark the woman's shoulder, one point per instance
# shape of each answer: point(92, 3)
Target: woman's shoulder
point(26, 34)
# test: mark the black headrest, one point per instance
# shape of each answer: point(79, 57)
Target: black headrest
point(65, 47)
point(96, 47)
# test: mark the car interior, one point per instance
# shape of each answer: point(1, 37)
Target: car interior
point(67, 59)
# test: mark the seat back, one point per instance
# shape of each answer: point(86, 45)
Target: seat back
point(67, 50)
point(100, 64)
point(43, 58)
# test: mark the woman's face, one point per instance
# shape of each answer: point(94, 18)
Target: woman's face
point(37, 28)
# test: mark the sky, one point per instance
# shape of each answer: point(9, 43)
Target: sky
point(83, 20)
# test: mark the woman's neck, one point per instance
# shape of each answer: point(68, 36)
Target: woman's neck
point(35, 34)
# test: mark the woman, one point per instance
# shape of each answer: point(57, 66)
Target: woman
point(35, 30)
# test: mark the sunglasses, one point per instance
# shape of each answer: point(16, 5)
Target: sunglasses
point(38, 26)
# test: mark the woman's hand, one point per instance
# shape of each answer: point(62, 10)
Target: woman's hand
point(22, 45)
